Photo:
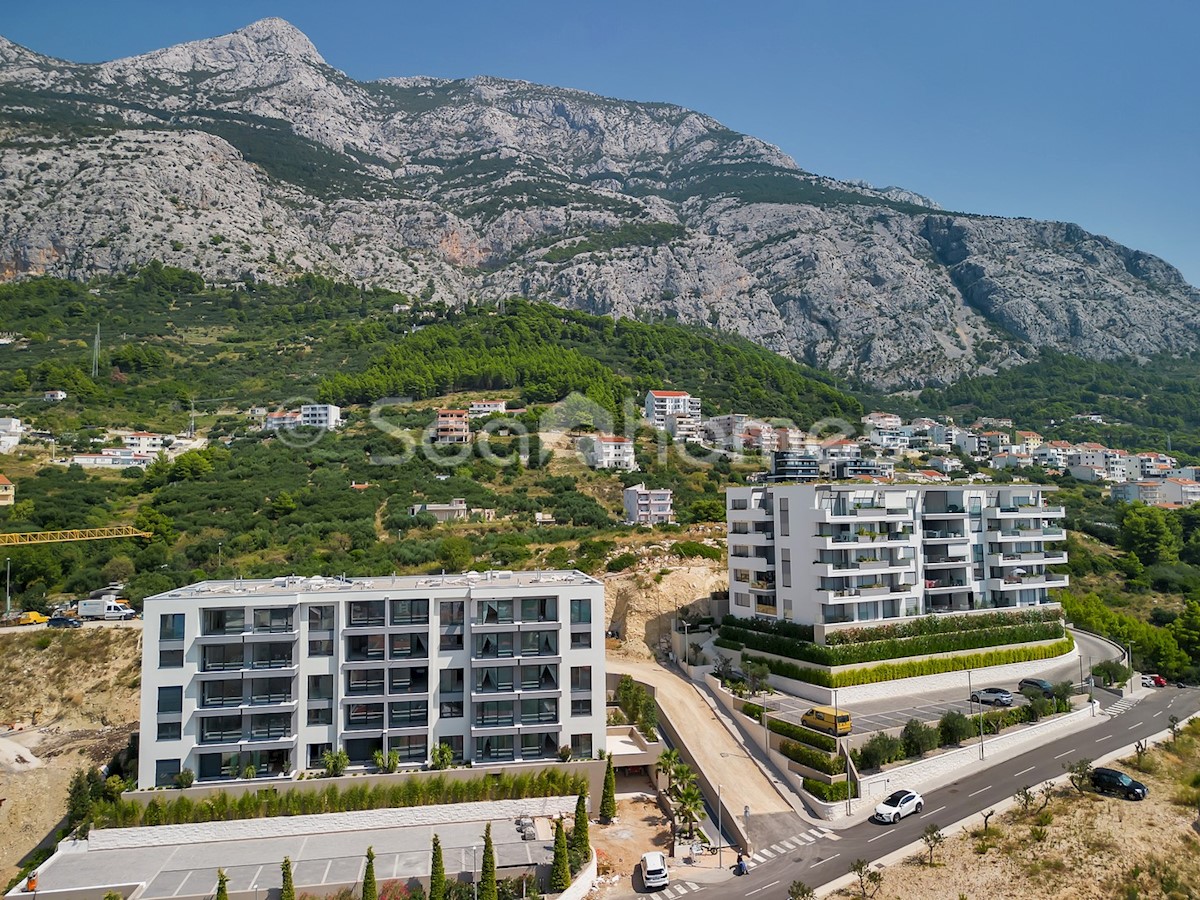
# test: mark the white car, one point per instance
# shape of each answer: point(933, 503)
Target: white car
point(899, 805)
point(654, 870)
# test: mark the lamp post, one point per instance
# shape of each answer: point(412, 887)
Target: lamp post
point(219, 556)
point(719, 832)
point(7, 585)
point(971, 701)
point(474, 880)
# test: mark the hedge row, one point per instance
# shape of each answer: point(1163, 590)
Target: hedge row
point(942, 624)
point(829, 793)
point(803, 735)
point(753, 710)
point(766, 626)
point(791, 670)
point(727, 644)
point(850, 654)
point(814, 759)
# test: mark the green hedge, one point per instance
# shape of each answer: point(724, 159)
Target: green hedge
point(942, 624)
point(753, 710)
point(695, 548)
point(803, 735)
point(791, 670)
point(898, 648)
point(830, 793)
point(890, 671)
point(765, 626)
point(814, 759)
point(727, 644)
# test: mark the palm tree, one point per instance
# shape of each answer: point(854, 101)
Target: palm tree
point(667, 761)
point(688, 806)
point(682, 777)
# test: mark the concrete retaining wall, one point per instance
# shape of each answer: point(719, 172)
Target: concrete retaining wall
point(583, 883)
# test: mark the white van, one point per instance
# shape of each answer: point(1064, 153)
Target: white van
point(654, 871)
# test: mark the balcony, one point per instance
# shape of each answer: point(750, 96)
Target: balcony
point(937, 536)
point(935, 586)
point(1008, 535)
point(1037, 579)
point(947, 562)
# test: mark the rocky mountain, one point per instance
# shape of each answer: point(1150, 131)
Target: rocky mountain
point(248, 156)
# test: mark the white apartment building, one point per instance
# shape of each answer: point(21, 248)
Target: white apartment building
point(683, 427)
point(725, 431)
point(320, 415)
point(1050, 456)
point(610, 451)
point(270, 674)
point(661, 404)
point(879, 419)
point(482, 408)
point(143, 441)
point(1148, 492)
point(10, 433)
point(1183, 491)
point(648, 506)
point(830, 553)
point(892, 440)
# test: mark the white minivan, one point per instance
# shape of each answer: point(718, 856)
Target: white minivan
point(654, 870)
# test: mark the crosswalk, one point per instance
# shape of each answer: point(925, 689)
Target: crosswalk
point(795, 842)
point(676, 890)
point(1125, 703)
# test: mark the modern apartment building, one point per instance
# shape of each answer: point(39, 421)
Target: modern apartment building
point(480, 409)
point(320, 415)
point(610, 451)
point(453, 426)
point(831, 553)
point(660, 404)
point(260, 678)
point(648, 506)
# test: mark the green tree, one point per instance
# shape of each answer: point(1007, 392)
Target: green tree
point(1186, 629)
point(608, 799)
point(689, 806)
point(705, 509)
point(79, 799)
point(1154, 535)
point(933, 838)
point(222, 885)
point(370, 890)
point(798, 890)
point(288, 890)
point(955, 728)
point(756, 676)
point(560, 871)
point(581, 847)
point(455, 554)
point(1080, 774)
point(918, 738)
point(487, 877)
point(667, 761)
point(869, 880)
point(119, 569)
point(437, 872)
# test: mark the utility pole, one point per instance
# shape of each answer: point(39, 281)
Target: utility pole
point(7, 585)
point(719, 833)
point(96, 353)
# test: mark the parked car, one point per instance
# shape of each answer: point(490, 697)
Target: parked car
point(31, 617)
point(1155, 680)
point(899, 805)
point(1036, 684)
point(827, 719)
point(654, 870)
point(1110, 781)
point(63, 622)
point(993, 695)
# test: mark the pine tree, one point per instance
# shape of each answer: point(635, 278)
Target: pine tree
point(608, 800)
point(288, 891)
point(437, 872)
point(487, 878)
point(560, 872)
point(581, 848)
point(370, 889)
point(222, 885)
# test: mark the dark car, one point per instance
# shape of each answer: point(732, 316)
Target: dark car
point(993, 695)
point(1110, 781)
point(63, 622)
point(1036, 685)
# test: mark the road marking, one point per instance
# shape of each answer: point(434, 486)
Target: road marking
point(681, 888)
point(821, 862)
point(878, 836)
point(763, 888)
point(778, 849)
point(1061, 755)
point(981, 790)
point(816, 834)
point(693, 885)
point(1138, 725)
point(1030, 769)
point(1105, 738)
point(767, 853)
point(939, 809)
point(1159, 713)
point(788, 844)
point(757, 857)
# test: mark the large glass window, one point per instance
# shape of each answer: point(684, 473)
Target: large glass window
point(273, 619)
point(450, 640)
point(271, 656)
point(364, 715)
point(493, 714)
point(408, 680)
point(320, 618)
point(581, 706)
point(492, 646)
point(320, 715)
point(539, 643)
point(270, 727)
point(170, 731)
point(539, 677)
point(451, 709)
point(411, 747)
point(581, 746)
point(365, 613)
point(222, 657)
point(408, 714)
point(170, 700)
point(170, 627)
point(220, 729)
point(364, 646)
point(165, 771)
point(450, 612)
point(581, 640)
point(170, 659)
point(316, 754)
point(494, 612)
point(493, 748)
point(493, 679)
point(270, 690)
point(539, 609)
point(221, 693)
point(320, 687)
point(544, 709)
point(410, 612)
point(364, 681)
point(320, 647)
point(539, 745)
point(223, 621)
point(407, 646)
point(451, 681)
point(581, 611)
point(581, 678)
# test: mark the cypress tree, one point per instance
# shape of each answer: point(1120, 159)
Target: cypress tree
point(437, 872)
point(222, 885)
point(288, 891)
point(608, 800)
point(581, 848)
point(487, 878)
point(560, 872)
point(370, 890)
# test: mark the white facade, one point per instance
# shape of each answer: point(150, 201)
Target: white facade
point(882, 420)
point(481, 408)
point(683, 427)
point(608, 451)
point(114, 458)
point(1183, 491)
point(320, 415)
point(143, 441)
point(829, 553)
point(661, 404)
point(270, 674)
point(890, 439)
point(648, 506)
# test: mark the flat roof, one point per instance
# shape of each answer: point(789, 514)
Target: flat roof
point(318, 584)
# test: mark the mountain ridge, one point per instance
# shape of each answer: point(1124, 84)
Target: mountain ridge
point(247, 155)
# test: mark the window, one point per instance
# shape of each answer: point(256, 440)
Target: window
point(411, 747)
point(320, 648)
point(451, 641)
point(581, 746)
point(739, 503)
point(320, 687)
point(494, 747)
point(270, 727)
point(451, 681)
point(539, 745)
point(222, 658)
point(273, 619)
point(539, 609)
point(450, 612)
point(785, 563)
point(539, 643)
point(407, 646)
point(492, 646)
point(581, 678)
point(413, 680)
point(581, 640)
point(493, 679)
point(408, 714)
point(364, 681)
point(364, 715)
point(365, 614)
point(170, 659)
point(270, 690)
point(170, 627)
point(541, 710)
point(581, 611)
point(455, 743)
point(221, 729)
point(271, 656)
point(223, 621)
point(364, 646)
point(451, 709)
point(220, 693)
point(539, 678)
point(170, 731)
point(409, 612)
point(316, 755)
point(320, 618)
point(170, 700)
point(320, 715)
point(494, 612)
point(165, 771)
point(493, 714)
point(581, 707)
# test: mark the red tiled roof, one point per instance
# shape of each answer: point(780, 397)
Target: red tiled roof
point(4, 480)
point(668, 393)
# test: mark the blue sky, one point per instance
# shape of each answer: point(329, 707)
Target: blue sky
point(1081, 111)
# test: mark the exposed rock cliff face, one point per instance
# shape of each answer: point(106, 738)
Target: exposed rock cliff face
point(247, 153)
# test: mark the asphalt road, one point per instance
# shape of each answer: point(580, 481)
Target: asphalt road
point(20, 629)
point(830, 855)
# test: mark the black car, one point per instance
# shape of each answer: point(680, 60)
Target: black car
point(63, 622)
point(1110, 781)
point(1035, 685)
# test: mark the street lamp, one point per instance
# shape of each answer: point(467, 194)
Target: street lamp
point(219, 557)
point(719, 832)
point(971, 701)
point(7, 585)
point(474, 880)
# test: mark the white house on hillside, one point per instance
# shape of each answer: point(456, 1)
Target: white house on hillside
point(610, 451)
point(661, 404)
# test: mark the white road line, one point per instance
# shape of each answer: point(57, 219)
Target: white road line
point(767, 853)
point(878, 836)
point(1138, 725)
point(1159, 713)
point(777, 848)
point(763, 888)
point(788, 844)
point(939, 809)
point(816, 834)
point(1023, 771)
point(982, 789)
point(825, 860)
point(682, 889)
point(757, 857)
point(1061, 755)
point(1105, 738)
point(693, 885)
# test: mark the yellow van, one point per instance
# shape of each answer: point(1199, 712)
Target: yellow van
point(827, 719)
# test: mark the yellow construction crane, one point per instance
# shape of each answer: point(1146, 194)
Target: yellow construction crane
point(21, 538)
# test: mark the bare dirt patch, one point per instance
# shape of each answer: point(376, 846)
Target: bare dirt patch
point(640, 827)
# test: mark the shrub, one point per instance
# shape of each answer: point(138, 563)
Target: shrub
point(829, 793)
point(804, 735)
point(623, 561)
point(918, 738)
point(753, 710)
point(814, 759)
point(926, 625)
point(877, 752)
point(793, 671)
point(954, 728)
point(727, 644)
point(765, 626)
point(695, 548)
point(912, 668)
point(185, 778)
